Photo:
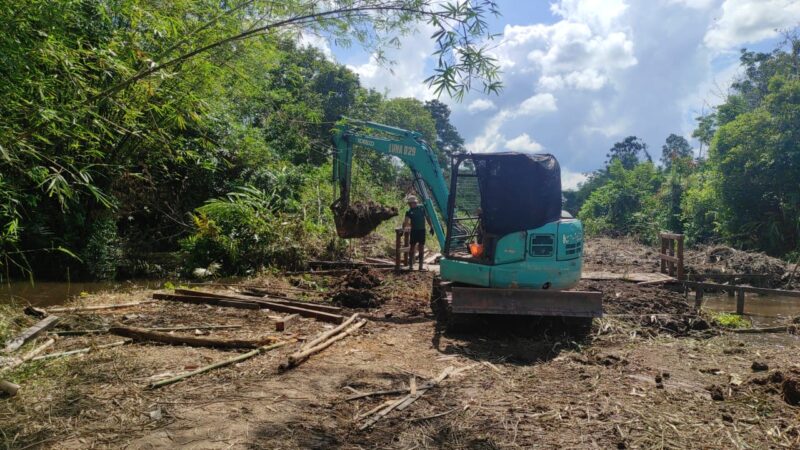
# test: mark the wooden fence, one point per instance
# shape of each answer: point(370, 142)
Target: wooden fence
point(672, 255)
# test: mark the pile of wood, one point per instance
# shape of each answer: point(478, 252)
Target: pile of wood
point(323, 313)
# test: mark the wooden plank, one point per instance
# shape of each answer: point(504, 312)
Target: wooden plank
point(283, 324)
point(754, 290)
point(267, 297)
point(30, 333)
point(669, 258)
point(533, 302)
point(675, 236)
point(73, 309)
point(198, 300)
point(254, 303)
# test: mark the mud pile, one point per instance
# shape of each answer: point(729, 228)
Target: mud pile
point(357, 289)
point(360, 219)
point(722, 259)
point(786, 384)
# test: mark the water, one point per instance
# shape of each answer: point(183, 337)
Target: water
point(49, 293)
point(762, 310)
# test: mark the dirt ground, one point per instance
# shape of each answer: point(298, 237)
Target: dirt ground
point(650, 374)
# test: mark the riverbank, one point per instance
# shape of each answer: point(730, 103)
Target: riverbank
point(651, 373)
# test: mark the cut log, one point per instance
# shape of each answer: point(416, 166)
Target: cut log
point(282, 324)
point(331, 332)
point(185, 328)
point(210, 367)
point(782, 329)
point(9, 388)
point(284, 300)
point(254, 303)
point(296, 359)
point(72, 309)
point(30, 333)
point(81, 350)
point(143, 335)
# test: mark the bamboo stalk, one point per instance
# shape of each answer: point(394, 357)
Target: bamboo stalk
point(210, 367)
point(330, 333)
point(297, 358)
point(81, 350)
point(71, 309)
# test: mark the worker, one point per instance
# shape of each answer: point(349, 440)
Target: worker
point(415, 222)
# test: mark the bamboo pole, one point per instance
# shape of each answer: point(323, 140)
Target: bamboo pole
point(82, 350)
point(11, 388)
point(297, 358)
point(141, 334)
point(330, 333)
point(210, 367)
point(71, 309)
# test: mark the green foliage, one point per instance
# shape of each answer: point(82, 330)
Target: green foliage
point(626, 203)
point(629, 152)
point(728, 320)
point(102, 254)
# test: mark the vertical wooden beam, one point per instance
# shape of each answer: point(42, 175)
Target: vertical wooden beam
point(398, 234)
point(663, 252)
point(698, 298)
point(740, 301)
point(671, 248)
point(681, 275)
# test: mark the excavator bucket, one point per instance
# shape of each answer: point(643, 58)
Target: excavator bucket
point(359, 219)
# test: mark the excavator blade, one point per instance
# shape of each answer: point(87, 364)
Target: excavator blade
point(526, 302)
point(359, 219)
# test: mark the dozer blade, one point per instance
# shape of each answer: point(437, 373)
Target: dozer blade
point(526, 302)
point(359, 219)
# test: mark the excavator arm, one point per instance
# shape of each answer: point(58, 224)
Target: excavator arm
point(410, 148)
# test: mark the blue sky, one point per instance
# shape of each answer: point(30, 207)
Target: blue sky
point(580, 75)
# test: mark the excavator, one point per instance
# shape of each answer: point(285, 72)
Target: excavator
point(507, 247)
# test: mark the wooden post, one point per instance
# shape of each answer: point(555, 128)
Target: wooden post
point(663, 252)
point(740, 301)
point(681, 275)
point(671, 248)
point(406, 244)
point(698, 298)
point(398, 232)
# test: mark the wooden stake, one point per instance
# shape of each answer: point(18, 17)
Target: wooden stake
point(211, 367)
point(285, 321)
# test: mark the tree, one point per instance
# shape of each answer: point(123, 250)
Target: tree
point(627, 152)
point(675, 148)
point(448, 139)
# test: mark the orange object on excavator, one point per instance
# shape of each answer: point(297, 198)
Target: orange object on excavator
point(476, 250)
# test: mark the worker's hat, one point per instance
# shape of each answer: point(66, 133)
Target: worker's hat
point(411, 199)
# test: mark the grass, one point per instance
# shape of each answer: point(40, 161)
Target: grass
point(729, 320)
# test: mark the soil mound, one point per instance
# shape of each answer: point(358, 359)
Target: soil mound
point(722, 259)
point(357, 289)
point(360, 219)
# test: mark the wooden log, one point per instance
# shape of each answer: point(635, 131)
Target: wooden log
point(9, 388)
point(72, 309)
point(259, 303)
point(331, 332)
point(211, 367)
point(698, 298)
point(740, 301)
point(782, 329)
point(30, 333)
point(282, 324)
point(81, 350)
point(298, 358)
point(184, 328)
point(141, 334)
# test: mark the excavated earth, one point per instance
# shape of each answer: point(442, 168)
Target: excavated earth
point(650, 374)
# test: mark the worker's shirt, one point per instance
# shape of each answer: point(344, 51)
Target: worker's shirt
point(417, 216)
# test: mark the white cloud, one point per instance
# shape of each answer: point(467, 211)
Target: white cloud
point(537, 104)
point(570, 180)
point(694, 4)
point(480, 105)
point(600, 13)
point(747, 21)
point(523, 143)
point(317, 41)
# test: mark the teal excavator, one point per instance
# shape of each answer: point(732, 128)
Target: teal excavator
point(507, 247)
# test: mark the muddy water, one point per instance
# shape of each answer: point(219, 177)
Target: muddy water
point(48, 293)
point(762, 310)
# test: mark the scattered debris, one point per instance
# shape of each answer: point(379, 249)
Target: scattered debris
point(759, 366)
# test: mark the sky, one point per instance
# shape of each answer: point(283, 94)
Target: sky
point(580, 75)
